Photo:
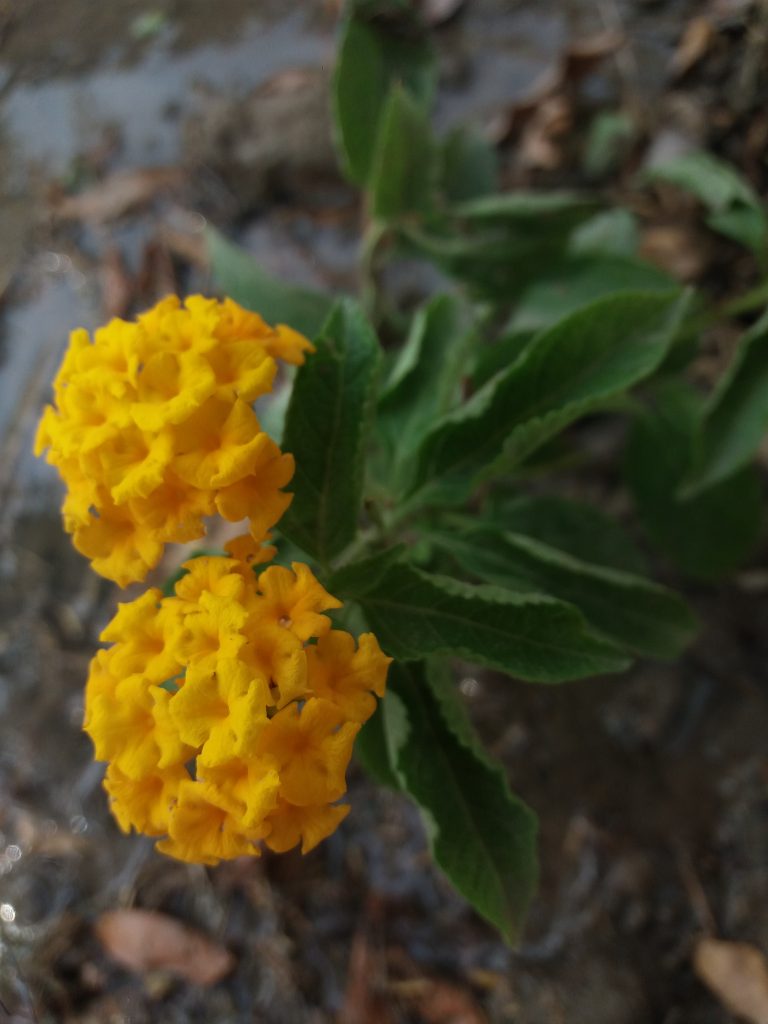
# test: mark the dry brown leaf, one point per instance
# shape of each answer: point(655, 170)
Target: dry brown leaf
point(446, 1003)
point(695, 42)
point(539, 147)
point(116, 195)
point(583, 55)
point(365, 1001)
point(737, 974)
point(547, 102)
point(676, 249)
point(189, 246)
point(117, 285)
point(143, 940)
point(156, 277)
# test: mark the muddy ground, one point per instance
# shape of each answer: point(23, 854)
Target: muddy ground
point(651, 788)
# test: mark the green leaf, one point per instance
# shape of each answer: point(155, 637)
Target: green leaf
point(415, 614)
point(706, 535)
point(495, 259)
point(499, 355)
point(370, 60)
point(639, 615)
point(372, 751)
point(714, 182)
point(237, 274)
point(500, 244)
point(610, 232)
point(353, 578)
point(482, 836)
point(326, 430)
point(529, 208)
point(608, 139)
point(583, 530)
point(575, 280)
point(403, 176)
point(736, 417)
point(469, 166)
point(734, 206)
point(744, 224)
point(425, 381)
point(588, 358)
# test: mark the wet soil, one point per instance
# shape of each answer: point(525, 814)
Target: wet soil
point(651, 788)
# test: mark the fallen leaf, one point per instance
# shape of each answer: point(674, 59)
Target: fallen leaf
point(583, 55)
point(695, 42)
point(364, 999)
point(737, 974)
point(143, 940)
point(446, 1003)
point(117, 286)
point(550, 90)
point(187, 245)
point(156, 276)
point(116, 195)
point(540, 142)
point(676, 249)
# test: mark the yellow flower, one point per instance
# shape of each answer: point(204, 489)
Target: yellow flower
point(221, 711)
point(122, 727)
point(204, 826)
point(152, 430)
point(310, 747)
point(210, 631)
point(144, 804)
point(291, 825)
point(252, 783)
point(117, 545)
point(294, 600)
point(138, 631)
point(347, 677)
point(228, 711)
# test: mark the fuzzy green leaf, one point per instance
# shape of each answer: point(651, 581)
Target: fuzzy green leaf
point(373, 753)
point(425, 380)
point(714, 182)
point(326, 430)
point(641, 616)
point(577, 279)
point(403, 176)
point(370, 61)
point(710, 533)
point(736, 417)
point(735, 209)
point(529, 207)
point(583, 530)
point(416, 614)
point(469, 166)
point(572, 369)
point(482, 836)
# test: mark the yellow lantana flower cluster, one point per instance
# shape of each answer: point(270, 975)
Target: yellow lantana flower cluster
point(153, 430)
point(228, 711)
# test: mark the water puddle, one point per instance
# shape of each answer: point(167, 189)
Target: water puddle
point(51, 123)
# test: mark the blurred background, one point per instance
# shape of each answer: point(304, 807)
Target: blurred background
point(125, 129)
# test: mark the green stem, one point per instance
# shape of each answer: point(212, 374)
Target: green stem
point(373, 235)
